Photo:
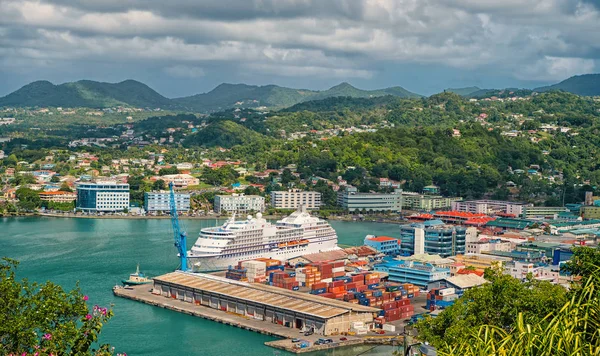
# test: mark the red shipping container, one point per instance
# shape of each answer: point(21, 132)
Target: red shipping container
point(339, 274)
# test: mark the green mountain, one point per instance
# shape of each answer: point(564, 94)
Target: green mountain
point(85, 93)
point(226, 96)
point(464, 91)
point(223, 134)
point(586, 85)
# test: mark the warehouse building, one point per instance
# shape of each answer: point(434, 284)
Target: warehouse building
point(274, 305)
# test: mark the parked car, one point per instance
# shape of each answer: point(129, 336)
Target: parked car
point(309, 332)
point(343, 339)
point(294, 340)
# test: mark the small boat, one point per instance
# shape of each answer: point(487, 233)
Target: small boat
point(136, 278)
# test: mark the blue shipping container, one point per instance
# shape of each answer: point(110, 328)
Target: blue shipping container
point(411, 295)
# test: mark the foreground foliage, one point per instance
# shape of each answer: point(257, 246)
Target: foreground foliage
point(572, 330)
point(43, 319)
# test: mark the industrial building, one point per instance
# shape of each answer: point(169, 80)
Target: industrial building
point(239, 203)
point(351, 199)
point(161, 202)
point(433, 237)
point(262, 302)
point(102, 196)
point(293, 199)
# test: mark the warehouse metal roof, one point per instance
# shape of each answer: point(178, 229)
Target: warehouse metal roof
point(272, 296)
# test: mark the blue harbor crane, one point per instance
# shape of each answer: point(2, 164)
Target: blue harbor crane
point(180, 236)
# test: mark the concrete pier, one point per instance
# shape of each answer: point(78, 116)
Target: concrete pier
point(143, 293)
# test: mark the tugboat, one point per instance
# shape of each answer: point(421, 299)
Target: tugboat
point(136, 279)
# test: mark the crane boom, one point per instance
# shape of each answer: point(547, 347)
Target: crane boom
point(180, 236)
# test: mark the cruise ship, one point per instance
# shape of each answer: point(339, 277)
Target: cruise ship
point(298, 234)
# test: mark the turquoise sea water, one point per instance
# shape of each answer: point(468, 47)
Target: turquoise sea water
point(100, 252)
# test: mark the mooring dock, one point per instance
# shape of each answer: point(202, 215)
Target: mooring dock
point(263, 309)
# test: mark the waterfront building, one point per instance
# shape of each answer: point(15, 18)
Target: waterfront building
point(102, 196)
point(58, 196)
point(432, 237)
point(266, 303)
point(239, 203)
point(293, 199)
point(419, 274)
point(352, 200)
point(490, 207)
point(460, 283)
point(161, 202)
point(416, 201)
point(180, 181)
point(383, 244)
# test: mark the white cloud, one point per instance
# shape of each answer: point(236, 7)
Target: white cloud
point(533, 39)
point(556, 68)
point(184, 71)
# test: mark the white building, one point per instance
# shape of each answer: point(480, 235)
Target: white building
point(485, 245)
point(352, 200)
point(239, 203)
point(489, 207)
point(103, 196)
point(292, 199)
point(161, 202)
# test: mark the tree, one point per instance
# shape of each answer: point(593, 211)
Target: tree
point(584, 262)
point(55, 179)
point(497, 304)
point(45, 319)
point(159, 184)
point(24, 179)
point(11, 161)
point(29, 199)
point(170, 170)
point(64, 187)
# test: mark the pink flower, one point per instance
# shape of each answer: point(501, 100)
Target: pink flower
point(47, 336)
point(85, 297)
point(88, 317)
point(36, 354)
point(24, 354)
point(103, 311)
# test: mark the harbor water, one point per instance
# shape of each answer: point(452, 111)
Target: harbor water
point(100, 252)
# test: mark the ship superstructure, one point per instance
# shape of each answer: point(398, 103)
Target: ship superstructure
point(298, 234)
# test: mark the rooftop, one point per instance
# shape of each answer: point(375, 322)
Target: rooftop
point(278, 297)
point(464, 281)
point(382, 239)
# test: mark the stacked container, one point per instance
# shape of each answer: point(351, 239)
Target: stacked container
point(237, 274)
point(255, 270)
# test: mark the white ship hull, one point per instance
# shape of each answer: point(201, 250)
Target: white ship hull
point(220, 263)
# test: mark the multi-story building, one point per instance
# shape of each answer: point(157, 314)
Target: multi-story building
point(489, 207)
point(292, 199)
point(433, 237)
point(180, 181)
point(590, 212)
point(530, 212)
point(58, 196)
point(102, 196)
point(419, 274)
point(161, 202)
point(485, 245)
point(352, 200)
point(416, 201)
point(383, 244)
point(239, 203)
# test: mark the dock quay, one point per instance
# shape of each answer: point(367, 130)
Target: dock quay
point(260, 308)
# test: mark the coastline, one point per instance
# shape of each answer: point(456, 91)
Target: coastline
point(347, 218)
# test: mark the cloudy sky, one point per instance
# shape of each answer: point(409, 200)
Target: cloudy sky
point(183, 47)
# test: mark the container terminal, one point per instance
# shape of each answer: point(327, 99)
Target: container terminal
point(315, 301)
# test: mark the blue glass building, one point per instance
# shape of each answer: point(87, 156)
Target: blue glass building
point(433, 237)
point(102, 196)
